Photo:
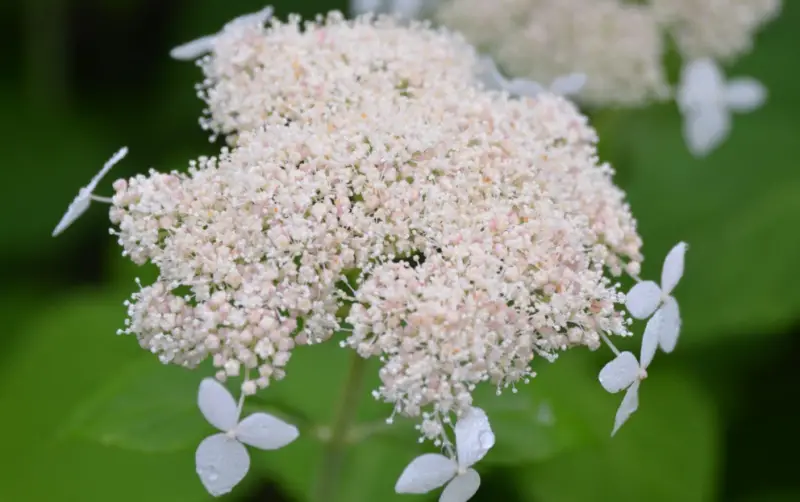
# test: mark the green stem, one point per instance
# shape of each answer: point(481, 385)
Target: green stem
point(334, 450)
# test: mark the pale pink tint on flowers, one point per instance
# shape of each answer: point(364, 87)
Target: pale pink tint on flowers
point(504, 198)
point(257, 75)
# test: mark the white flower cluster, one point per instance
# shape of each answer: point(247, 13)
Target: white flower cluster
point(373, 192)
point(616, 44)
point(619, 44)
point(718, 29)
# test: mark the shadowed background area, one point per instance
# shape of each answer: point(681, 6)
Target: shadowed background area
point(82, 420)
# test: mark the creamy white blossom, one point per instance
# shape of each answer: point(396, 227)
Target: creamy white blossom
point(222, 460)
point(81, 202)
point(474, 231)
point(474, 439)
point(706, 101)
point(617, 45)
point(374, 190)
point(719, 29)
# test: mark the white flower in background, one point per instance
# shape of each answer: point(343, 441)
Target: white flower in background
point(474, 438)
point(719, 29)
point(405, 9)
point(617, 45)
point(706, 101)
point(222, 459)
point(203, 45)
point(81, 202)
point(566, 85)
point(647, 298)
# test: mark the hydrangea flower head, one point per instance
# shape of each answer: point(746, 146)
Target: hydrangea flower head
point(384, 200)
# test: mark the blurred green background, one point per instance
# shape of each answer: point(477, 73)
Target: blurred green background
point(87, 416)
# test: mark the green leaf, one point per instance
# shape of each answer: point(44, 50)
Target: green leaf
point(666, 451)
point(313, 390)
point(546, 417)
point(40, 182)
point(737, 208)
point(773, 496)
point(147, 407)
point(66, 352)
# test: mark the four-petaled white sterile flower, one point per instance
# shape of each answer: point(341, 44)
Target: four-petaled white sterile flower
point(474, 438)
point(706, 100)
point(203, 45)
point(625, 372)
point(81, 202)
point(222, 460)
point(646, 298)
point(566, 85)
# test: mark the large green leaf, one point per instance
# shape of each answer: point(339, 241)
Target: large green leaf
point(737, 208)
point(546, 417)
point(666, 452)
point(147, 407)
point(66, 353)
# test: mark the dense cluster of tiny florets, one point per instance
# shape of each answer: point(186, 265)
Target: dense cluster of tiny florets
point(375, 192)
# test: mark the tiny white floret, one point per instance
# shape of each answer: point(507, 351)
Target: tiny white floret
point(81, 202)
point(221, 459)
point(706, 101)
point(474, 438)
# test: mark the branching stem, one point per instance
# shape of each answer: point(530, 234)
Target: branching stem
point(334, 450)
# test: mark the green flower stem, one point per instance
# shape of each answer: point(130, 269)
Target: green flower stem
point(334, 450)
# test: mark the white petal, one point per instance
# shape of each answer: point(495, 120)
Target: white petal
point(119, 155)
point(259, 17)
point(672, 271)
point(363, 6)
point(217, 405)
point(630, 403)
point(524, 87)
point(745, 94)
point(702, 84)
point(407, 9)
point(194, 49)
point(474, 437)
point(670, 324)
point(706, 129)
point(221, 462)
point(650, 339)
point(490, 75)
point(81, 202)
point(76, 208)
point(265, 431)
point(462, 488)
point(568, 85)
point(425, 473)
point(642, 300)
point(619, 373)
